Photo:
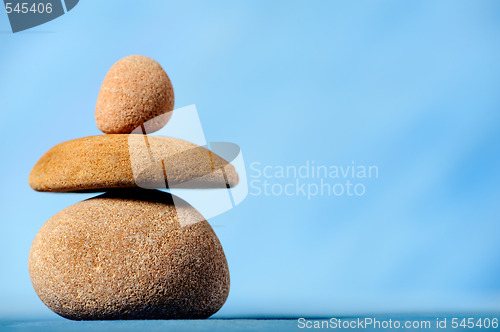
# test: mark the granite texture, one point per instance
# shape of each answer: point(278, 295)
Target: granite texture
point(126, 255)
point(98, 163)
point(136, 89)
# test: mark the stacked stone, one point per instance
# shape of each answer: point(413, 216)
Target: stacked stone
point(126, 254)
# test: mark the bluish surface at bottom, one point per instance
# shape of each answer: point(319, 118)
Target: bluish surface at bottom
point(427, 323)
point(153, 325)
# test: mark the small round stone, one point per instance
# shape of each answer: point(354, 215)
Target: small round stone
point(128, 255)
point(136, 89)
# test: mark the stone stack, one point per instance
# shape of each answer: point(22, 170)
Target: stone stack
point(130, 253)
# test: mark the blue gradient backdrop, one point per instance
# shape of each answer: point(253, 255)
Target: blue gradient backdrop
point(409, 86)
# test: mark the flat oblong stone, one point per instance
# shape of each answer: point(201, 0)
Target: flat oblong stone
point(98, 163)
point(126, 255)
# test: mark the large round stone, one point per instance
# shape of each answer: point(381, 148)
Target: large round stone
point(127, 255)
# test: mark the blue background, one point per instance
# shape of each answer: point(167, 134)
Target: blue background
point(409, 86)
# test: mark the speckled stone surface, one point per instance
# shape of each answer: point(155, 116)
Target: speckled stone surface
point(126, 256)
point(97, 163)
point(136, 89)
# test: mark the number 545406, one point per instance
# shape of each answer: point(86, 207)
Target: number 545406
point(25, 8)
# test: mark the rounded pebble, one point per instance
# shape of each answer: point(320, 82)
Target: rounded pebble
point(126, 256)
point(136, 89)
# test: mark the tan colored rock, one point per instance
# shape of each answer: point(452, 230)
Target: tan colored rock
point(97, 163)
point(136, 89)
point(125, 255)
